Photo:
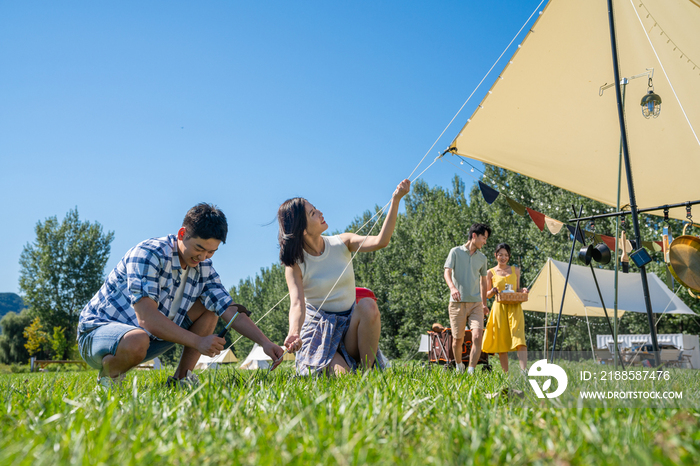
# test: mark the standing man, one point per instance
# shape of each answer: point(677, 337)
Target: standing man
point(465, 274)
point(164, 292)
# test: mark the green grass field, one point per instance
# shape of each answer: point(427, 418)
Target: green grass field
point(409, 414)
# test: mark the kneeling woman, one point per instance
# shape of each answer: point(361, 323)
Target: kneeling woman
point(330, 331)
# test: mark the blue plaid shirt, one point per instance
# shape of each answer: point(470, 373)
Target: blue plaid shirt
point(146, 271)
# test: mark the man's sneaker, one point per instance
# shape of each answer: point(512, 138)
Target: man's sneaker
point(470, 370)
point(459, 369)
point(109, 383)
point(189, 381)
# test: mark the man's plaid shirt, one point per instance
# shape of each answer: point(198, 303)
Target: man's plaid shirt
point(146, 271)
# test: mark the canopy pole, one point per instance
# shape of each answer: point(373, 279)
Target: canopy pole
point(549, 298)
point(566, 282)
point(607, 318)
point(630, 184)
point(617, 231)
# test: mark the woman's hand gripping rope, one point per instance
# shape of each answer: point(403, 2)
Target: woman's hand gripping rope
point(292, 343)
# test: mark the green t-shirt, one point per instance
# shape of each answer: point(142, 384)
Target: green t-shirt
point(467, 270)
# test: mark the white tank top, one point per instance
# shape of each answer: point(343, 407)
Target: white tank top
point(319, 274)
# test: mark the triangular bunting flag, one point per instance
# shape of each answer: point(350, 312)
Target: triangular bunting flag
point(572, 230)
point(554, 226)
point(609, 241)
point(651, 245)
point(536, 217)
point(517, 207)
point(490, 194)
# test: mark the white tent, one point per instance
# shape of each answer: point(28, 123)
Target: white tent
point(257, 359)
point(582, 297)
point(547, 117)
point(225, 357)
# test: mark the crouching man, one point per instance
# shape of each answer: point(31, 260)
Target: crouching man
point(164, 292)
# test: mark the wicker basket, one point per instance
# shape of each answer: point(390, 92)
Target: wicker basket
point(511, 298)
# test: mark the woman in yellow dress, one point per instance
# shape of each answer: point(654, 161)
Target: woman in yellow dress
point(505, 330)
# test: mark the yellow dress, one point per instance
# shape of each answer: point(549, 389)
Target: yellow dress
point(505, 329)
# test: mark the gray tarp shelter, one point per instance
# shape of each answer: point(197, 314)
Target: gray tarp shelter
point(582, 297)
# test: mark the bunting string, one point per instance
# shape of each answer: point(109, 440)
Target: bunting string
point(540, 219)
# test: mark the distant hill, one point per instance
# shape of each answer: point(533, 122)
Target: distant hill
point(10, 302)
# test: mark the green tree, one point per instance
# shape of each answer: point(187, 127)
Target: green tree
point(59, 344)
point(260, 295)
point(63, 269)
point(10, 302)
point(532, 247)
point(407, 276)
point(37, 338)
point(12, 340)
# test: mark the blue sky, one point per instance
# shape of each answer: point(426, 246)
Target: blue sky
point(135, 111)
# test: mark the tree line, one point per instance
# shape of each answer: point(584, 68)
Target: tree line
point(407, 276)
point(64, 267)
point(59, 273)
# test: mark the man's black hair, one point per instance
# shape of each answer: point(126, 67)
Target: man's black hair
point(206, 221)
point(479, 229)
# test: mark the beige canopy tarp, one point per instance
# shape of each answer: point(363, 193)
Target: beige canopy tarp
point(582, 296)
point(545, 118)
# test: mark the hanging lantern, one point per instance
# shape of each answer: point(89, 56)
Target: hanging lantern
point(651, 103)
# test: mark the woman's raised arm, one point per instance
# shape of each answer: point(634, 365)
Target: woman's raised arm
point(372, 243)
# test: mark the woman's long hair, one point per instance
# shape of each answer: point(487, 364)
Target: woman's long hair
point(292, 221)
